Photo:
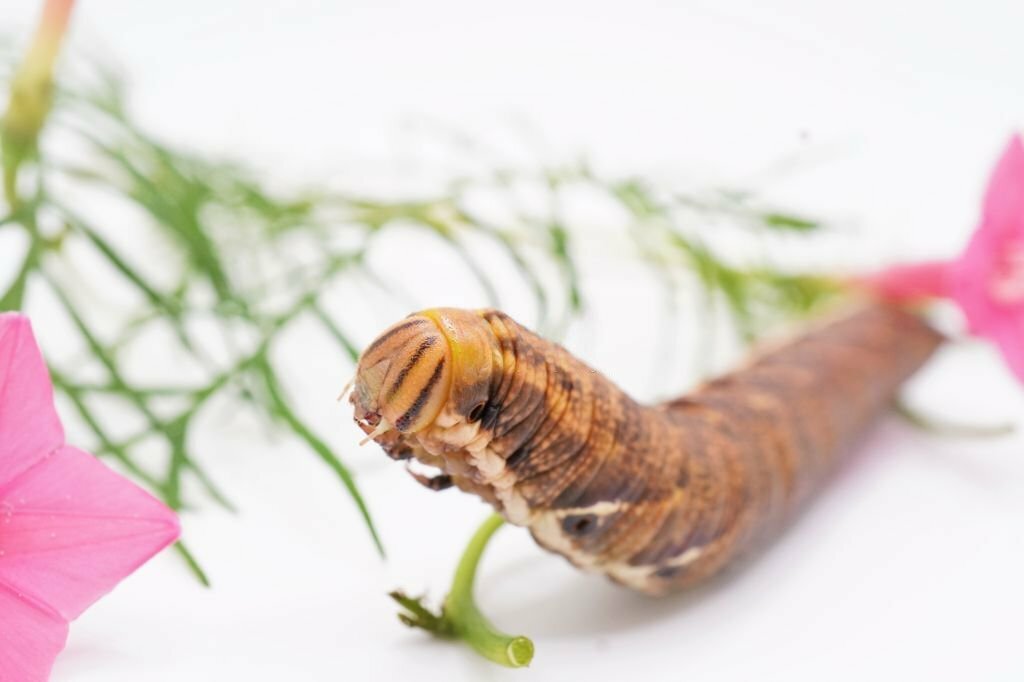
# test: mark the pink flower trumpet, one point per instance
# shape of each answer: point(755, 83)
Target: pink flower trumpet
point(70, 528)
point(987, 280)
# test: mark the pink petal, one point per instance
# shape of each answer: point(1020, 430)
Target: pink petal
point(29, 427)
point(1003, 212)
point(31, 636)
point(1009, 334)
point(911, 282)
point(971, 287)
point(1001, 230)
point(71, 529)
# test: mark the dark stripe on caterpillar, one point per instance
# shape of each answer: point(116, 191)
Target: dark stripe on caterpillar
point(383, 338)
point(417, 405)
point(416, 356)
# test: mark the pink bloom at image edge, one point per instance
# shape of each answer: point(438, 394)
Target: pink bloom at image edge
point(70, 528)
point(987, 280)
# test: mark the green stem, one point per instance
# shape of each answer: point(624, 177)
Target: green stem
point(105, 442)
point(14, 297)
point(279, 407)
point(192, 564)
point(956, 430)
point(335, 331)
point(469, 623)
point(461, 617)
point(24, 215)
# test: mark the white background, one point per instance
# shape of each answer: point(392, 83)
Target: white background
point(911, 564)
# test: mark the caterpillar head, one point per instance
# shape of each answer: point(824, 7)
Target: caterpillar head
point(461, 391)
point(426, 380)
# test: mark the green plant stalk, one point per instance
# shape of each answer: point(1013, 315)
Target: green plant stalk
point(461, 617)
point(941, 427)
point(468, 622)
point(31, 96)
point(280, 408)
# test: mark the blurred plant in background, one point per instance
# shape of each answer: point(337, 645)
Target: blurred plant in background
point(250, 262)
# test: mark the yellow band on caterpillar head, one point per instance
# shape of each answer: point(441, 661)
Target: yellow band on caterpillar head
point(475, 356)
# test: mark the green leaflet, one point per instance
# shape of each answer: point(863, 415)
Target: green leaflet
point(225, 238)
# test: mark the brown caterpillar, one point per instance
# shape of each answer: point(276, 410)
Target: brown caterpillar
point(656, 497)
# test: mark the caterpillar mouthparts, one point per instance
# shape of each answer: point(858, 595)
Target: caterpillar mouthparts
point(655, 497)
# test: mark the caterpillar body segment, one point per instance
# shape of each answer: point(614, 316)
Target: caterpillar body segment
point(656, 497)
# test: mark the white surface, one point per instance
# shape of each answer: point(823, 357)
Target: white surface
point(909, 566)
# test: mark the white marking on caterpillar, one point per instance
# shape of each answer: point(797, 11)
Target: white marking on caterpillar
point(602, 508)
point(502, 480)
point(639, 577)
point(490, 465)
point(547, 530)
point(689, 556)
point(517, 511)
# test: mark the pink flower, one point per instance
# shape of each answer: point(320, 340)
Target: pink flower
point(987, 280)
point(70, 528)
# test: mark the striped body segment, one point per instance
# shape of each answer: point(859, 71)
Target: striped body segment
point(656, 497)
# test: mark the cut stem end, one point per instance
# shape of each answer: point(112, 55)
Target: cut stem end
point(461, 617)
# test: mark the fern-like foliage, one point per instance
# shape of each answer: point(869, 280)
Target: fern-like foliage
point(230, 264)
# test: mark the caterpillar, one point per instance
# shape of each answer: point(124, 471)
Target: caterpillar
point(655, 497)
